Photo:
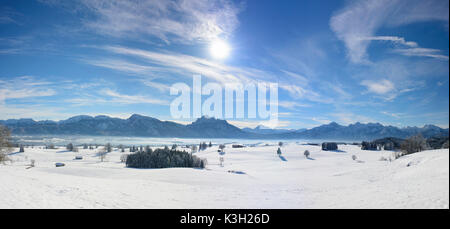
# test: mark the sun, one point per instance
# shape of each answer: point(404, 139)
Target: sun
point(219, 49)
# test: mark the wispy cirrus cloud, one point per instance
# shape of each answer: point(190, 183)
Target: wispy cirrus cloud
point(292, 104)
point(183, 64)
point(122, 65)
point(157, 63)
point(357, 24)
point(24, 87)
point(349, 118)
point(384, 89)
point(380, 87)
point(153, 84)
point(300, 92)
point(297, 77)
point(394, 39)
point(171, 21)
point(395, 115)
point(117, 97)
point(8, 15)
point(424, 52)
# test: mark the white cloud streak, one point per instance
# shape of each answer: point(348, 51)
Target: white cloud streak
point(394, 39)
point(186, 65)
point(358, 22)
point(131, 99)
point(175, 20)
point(424, 52)
point(380, 87)
point(23, 87)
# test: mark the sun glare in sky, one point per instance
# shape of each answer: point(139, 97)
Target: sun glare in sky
point(219, 49)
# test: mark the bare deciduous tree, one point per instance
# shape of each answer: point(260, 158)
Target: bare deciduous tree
point(123, 158)
point(102, 154)
point(414, 144)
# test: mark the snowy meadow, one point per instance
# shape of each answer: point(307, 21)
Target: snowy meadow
point(254, 176)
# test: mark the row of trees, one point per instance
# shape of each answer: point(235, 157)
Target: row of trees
point(203, 145)
point(164, 158)
point(414, 144)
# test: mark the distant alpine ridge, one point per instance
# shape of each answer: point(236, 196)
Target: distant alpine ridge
point(143, 126)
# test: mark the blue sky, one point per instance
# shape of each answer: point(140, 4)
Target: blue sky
point(344, 61)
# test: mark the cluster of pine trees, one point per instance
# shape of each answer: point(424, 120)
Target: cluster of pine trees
point(137, 149)
point(163, 158)
point(203, 145)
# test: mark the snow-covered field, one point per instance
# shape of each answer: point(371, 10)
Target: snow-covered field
point(263, 180)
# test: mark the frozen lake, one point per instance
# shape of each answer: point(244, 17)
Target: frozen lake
point(116, 140)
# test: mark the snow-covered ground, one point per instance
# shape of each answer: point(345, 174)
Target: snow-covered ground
point(261, 179)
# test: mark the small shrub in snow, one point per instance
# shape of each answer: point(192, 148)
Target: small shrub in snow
point(445, 145)
point(354, 157)
point(123, 158)
point(306, 153)
point(397, 154)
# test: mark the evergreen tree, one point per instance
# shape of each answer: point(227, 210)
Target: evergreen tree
point(306, 153)
point(69, 147)
point(108, 147)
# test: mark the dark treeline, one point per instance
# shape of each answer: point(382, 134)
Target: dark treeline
point(164, 158)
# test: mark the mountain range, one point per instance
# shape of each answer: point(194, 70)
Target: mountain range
point(204, 127)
